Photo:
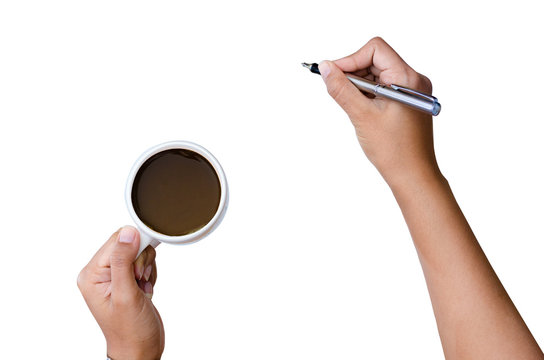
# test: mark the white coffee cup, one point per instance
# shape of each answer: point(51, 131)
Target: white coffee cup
point(151, 237)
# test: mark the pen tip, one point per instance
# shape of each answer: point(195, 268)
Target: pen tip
point(306, 65)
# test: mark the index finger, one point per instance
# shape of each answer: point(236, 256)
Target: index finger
point(375, 53)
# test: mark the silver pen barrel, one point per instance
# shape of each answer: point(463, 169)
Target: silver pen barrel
point(409, 97)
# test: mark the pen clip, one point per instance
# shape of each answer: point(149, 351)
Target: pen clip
point(413, 92)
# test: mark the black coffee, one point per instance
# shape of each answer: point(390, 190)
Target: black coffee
point(176, 192)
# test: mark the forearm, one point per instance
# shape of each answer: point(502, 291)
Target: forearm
point(475, 316)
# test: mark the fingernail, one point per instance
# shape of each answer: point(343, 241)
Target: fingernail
point(147, 272)
point(324, 69)
point(148, 290)
point(139, 271)
point(126, 236)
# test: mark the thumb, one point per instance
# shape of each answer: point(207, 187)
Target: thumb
point(342, 90)
point(123, 283)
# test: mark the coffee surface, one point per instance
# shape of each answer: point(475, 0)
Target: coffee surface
point(176, 192)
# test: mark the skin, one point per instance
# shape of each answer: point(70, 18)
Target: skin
point(118, 289)
point(476, 318)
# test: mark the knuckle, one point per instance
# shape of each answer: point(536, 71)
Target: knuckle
point(412, 77)
point(418, 81)
point(151, 253)
point(377, 40)
point(82, 279)
point(408, 77)
point(332, 90)
point(336, 89)
point(141, 259)
point(118, 260)
point(426, 84)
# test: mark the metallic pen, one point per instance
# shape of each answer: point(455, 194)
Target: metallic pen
point(406, 96)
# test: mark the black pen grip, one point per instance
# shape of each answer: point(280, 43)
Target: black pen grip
point(315, 69)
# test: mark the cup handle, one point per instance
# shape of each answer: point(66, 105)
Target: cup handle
point(145, 241)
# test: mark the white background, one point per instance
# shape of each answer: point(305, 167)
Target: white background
point(313, 259)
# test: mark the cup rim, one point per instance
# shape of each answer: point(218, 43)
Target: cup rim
point(203, 231)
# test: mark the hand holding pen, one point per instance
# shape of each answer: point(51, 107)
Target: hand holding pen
point(397, 139)
point(409, 97)
point(475, 317)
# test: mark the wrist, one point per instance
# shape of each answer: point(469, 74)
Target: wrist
point(414, 178)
